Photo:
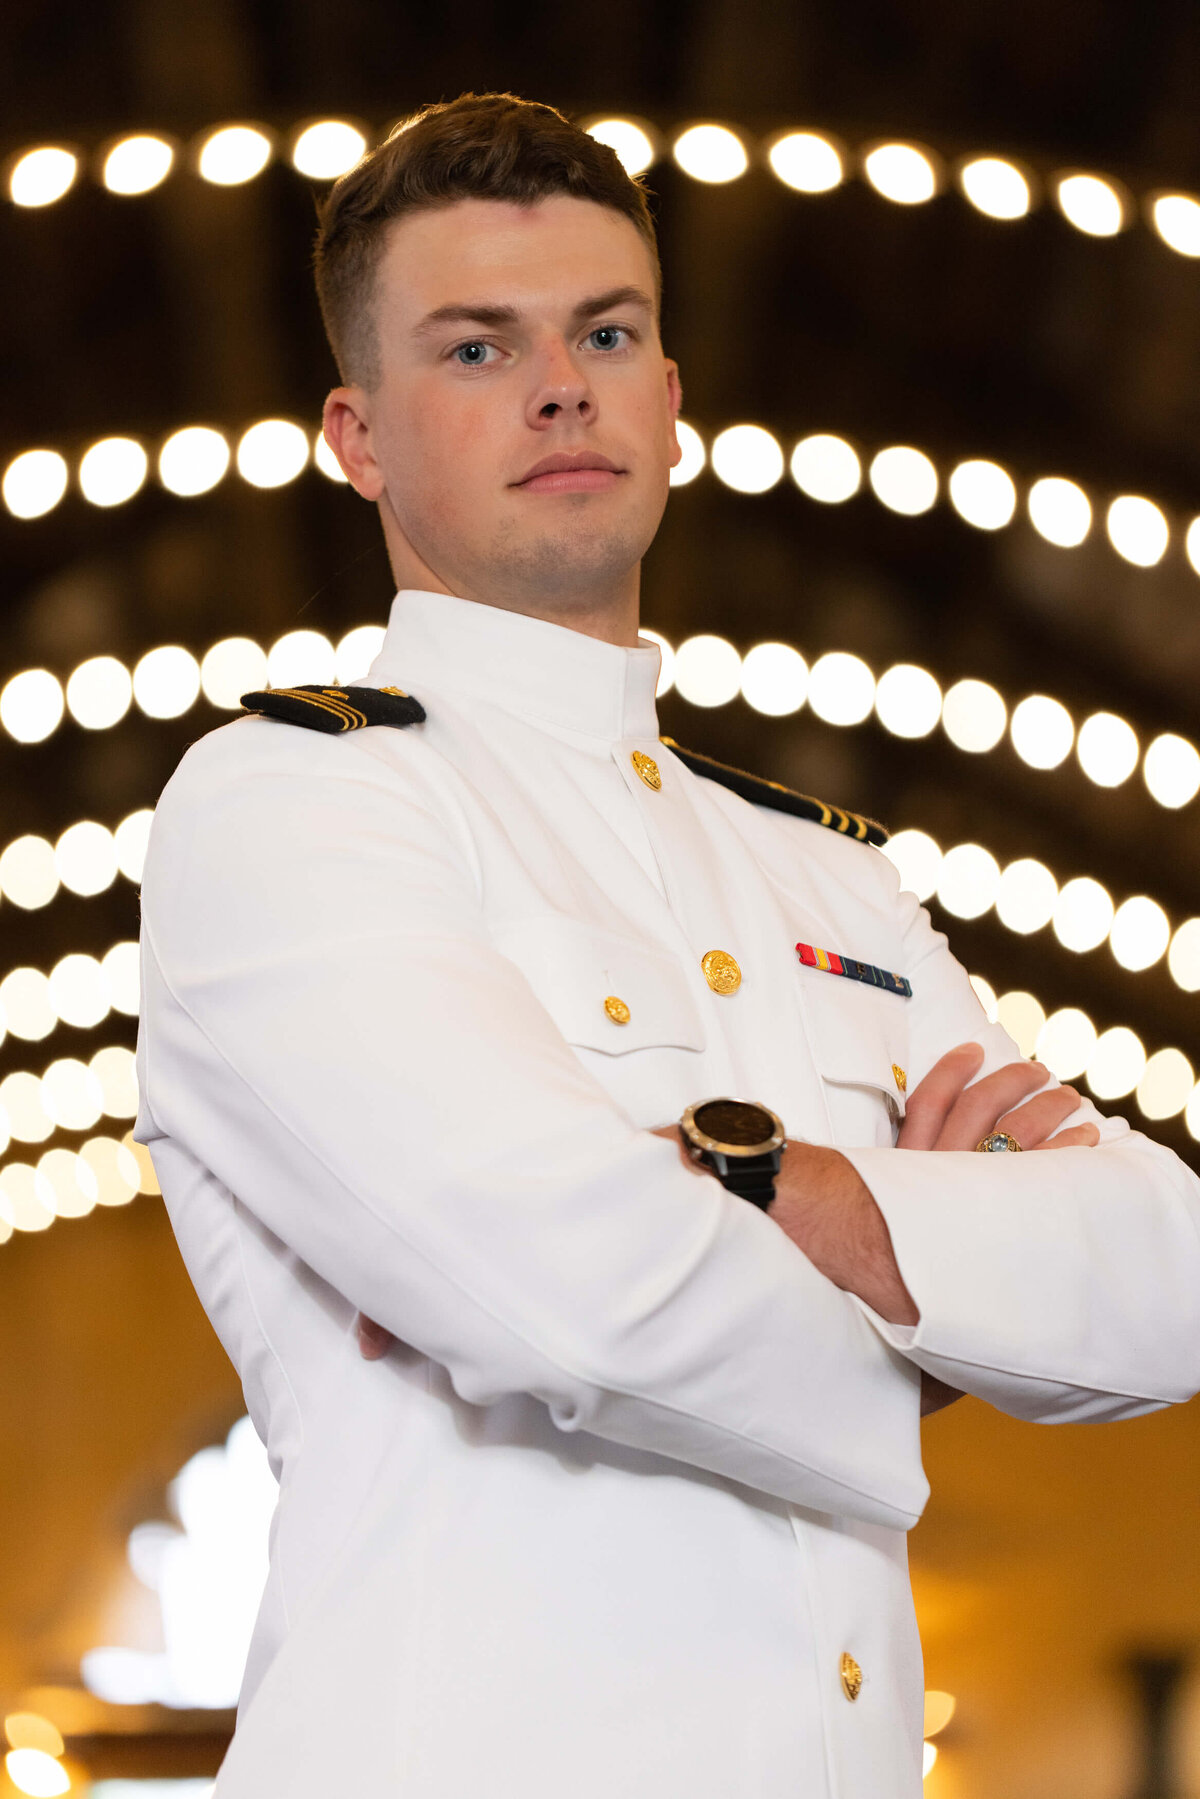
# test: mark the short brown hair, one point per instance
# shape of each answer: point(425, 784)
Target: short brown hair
point(478, 147)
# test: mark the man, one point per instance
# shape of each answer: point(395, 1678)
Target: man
point(613, 1498)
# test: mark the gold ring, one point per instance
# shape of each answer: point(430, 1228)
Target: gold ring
point(996, 1140)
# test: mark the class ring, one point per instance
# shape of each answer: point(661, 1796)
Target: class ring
point(996, 1141)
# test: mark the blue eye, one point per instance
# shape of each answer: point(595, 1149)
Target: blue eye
point(610, 334)
point(471, 356)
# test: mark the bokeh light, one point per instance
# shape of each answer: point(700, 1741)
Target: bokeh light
point(233, 154)
point(235, 666)
point(1137, 530)
point(300, 657)
point(1166, 1084)
point(1139, 933)
point(708, 670)
point(1091, 204)
point(327, 462)
point(272, 453)
point(1042, 731)
point(112, 471)
point(974, 717)
point(1171, 770)
point(85, 857)
point(356, 651)
point(694, 455)
point(996, 187)
point(917, 859)
point(774, 679)
point(193, 460)
point(1060, 511)
point(1083, 914)
point(632, 143)
point(968, 880)
point(1107, 748)
point(908, 701)
point(841, 688)
point(904, 479)
point(137, 164)
point(806, 161)
point(1117, 1063)
point(826, 468)
point(1066, 1042)
point(1026, 896)
point(666, 668)
point(42, 176)
point(1023, 1017)
point(99, 693)
point(983, 494)
point(327, 149)
point(902, 173)
point(28, 873)
point(34, 482)
point(711, 153)
point(1183, 957)
point(747, 458)
point(166, 681)
point(1177, 220)
point(31, 705)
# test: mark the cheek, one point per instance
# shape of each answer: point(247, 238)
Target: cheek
point(442, 458)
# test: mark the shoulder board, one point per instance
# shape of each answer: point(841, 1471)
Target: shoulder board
point(770, 793)
point(336, 708)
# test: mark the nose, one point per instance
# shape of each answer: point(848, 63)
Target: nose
point(560, 389)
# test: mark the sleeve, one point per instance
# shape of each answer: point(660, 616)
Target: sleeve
point(1059, 1286)
point(327, 1027)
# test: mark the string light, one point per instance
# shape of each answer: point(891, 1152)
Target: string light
point(711, 153)
point(233, 155)
point(902, 173)
point(1090, 203)
point(136, 165)
point(747, 458)
point(42, 176)
point(327, 149)
point(996, 187)
point(631, 141)
point(806, 161)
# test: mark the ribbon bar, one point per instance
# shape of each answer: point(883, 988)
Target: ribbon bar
point(831, 963)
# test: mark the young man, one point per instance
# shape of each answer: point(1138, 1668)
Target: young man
point(613, 1498)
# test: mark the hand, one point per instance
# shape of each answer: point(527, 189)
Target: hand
point(943, 1112)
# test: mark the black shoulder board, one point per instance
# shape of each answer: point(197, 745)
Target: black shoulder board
point(769, 793)
point(337, 708)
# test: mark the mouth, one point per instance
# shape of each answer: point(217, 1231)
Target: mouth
point(585, 472)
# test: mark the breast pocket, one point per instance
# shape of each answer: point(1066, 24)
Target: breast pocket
point(624, 1006)
point(859, 1040)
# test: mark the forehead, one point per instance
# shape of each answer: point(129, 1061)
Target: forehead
point(541, 257)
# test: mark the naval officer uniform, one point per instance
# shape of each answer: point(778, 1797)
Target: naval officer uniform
point(623, 1510)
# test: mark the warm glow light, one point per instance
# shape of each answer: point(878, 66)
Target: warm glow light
point(806, 161)
point(1026, 896)
point(1139, 933)
point(904, 479)
point(86, 858)
point(1117, 1063)
point(28, 873)
point(917, 859)
point(1107, 749)
point(166, 681)
point(1166, 1084)
point(968, 881)
point(1171, 770)
point(328, 149)
point(99, 693)
point(29, 1730)
point(1091, 205)
point(693, 459)
point(711, 153)
point(908, 701)
point(1023, 1018)
point(327, 462)
point(939, 1709)
point(137, 164)
point(1060, 511)
point(666, 665)
point(130, 837)
point(826, 468)
point(31, 705)
point(234, 154)
point(32, 1771)
point(774, 679)
point(974, 716)
point(115, 1070)
point(708, 671)
point(79, 992)
point(272, 453)
point(231, 668)
point(356, 651)
point(841, 688)
point(983, 493)
point(1177, 221)
point(21, 1098)
point(193, 460)
point(65, 1184)
point(985, 993)
point(42, 176)
point(1191, 1116)
point(19, 1200)
point(929, 1755)
point(901, 172)
point(118, 1178)
point(1066, 1043)
point(747, 458)
point(1137, 530)
point(995, 187)
point(298, 657)
point(112, 471)
point(72, 1094)
point(1042, 731)
point(1183, 957)
point(634, 148)
point(119, 970)
point(1083, 915)
point(34, 482)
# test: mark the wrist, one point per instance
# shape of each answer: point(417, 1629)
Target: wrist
point(828, 1211)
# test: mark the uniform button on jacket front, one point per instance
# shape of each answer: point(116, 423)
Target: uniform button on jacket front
point(617, 1010)
point(852, 1677)
point(647, 769)
point(721, 971)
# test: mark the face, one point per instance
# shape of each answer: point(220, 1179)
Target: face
point(520, 440)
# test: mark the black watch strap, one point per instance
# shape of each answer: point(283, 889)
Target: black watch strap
point(752, 1178)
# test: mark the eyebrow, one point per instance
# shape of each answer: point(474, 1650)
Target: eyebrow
point(482, 313)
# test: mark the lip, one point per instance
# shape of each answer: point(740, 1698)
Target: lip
point(584, 472)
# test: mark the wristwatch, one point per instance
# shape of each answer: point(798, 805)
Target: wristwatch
point(741, 1141)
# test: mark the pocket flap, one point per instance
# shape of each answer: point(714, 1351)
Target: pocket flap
point(859, 1034)
point(604, 991)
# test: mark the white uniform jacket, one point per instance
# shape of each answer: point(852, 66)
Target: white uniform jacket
point(634, 1477)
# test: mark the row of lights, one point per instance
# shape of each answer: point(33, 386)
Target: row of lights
point(810, 162)
point(707, 670)
point(69, 1095)
point(80, 990)
point(68, 1183)
point(86, 859)
point(34, 1761)
point(749, 459)
point(968, 881)
point(1114, 1062)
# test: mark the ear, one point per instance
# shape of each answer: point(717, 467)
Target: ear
point(347, 426)
point(674, 402)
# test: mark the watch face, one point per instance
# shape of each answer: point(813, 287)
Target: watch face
point(737, 1125)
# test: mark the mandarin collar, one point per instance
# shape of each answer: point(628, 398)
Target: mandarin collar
point(544, 673)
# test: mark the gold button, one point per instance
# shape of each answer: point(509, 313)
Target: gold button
point(901, 1077)
point(617, 1010)
point(721, 971)
point(647, 769)
point(851, 1677)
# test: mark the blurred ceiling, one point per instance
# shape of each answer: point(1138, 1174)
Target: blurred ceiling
point(1029, 343)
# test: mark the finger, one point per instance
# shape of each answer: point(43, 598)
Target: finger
point(976, 1110)
point(932, 1098)
point(1033, 1122)
point(373, 1340)
point(1080, 1136)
